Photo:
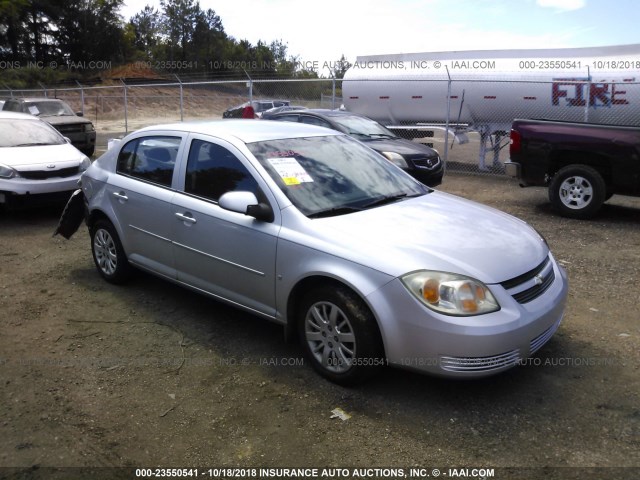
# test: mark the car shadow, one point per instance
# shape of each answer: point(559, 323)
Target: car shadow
point(540, 386)
point(611, 213)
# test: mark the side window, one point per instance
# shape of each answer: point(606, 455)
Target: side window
point(287, 118)
point(314, 121)
point(150, 158)
point(213, 170)
point(12, 106)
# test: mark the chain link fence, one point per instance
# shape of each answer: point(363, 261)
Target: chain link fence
point(467, 120)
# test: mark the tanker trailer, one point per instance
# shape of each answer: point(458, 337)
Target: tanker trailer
point(484, 91)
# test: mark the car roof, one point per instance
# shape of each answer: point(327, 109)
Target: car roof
point(246, 130)
point(37, 99)
point(5, 114)
point(323, 112)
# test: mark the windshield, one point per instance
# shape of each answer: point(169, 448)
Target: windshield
point(27, 133)
point(49, 108)
point(362, 127)
point(333, 175)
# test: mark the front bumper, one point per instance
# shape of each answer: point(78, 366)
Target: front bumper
point(432, 178)
point(82, 140)
point(417, 338)
point(24, 186)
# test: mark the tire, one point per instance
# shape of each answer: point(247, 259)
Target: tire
point(577, 191)
point(339, 335)
point(108, 254)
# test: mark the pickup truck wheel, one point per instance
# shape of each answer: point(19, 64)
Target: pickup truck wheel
point(577, 191)
point(339, 335)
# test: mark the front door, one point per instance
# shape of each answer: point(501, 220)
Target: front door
point(227, 254)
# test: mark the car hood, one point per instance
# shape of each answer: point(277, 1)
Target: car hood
point(63, 119)
point(399, 145)
point(436, 232)
point(34, 158)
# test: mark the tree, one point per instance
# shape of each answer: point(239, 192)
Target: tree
point(178, 20)
point(209, 39)
point(27, 28)
point(12, 29)
point(147, 30)
point(340, 67)
point(91, 30)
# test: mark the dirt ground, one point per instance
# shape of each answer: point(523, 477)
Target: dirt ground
point(151, 375)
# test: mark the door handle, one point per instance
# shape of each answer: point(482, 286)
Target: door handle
point(186, 218)
point(120, 196)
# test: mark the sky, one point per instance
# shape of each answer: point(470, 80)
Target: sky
point(321, 31)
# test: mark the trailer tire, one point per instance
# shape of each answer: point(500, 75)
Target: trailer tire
point(577, 191)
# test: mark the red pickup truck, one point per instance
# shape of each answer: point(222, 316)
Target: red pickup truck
point(582, 164)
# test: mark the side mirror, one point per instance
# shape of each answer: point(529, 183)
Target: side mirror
point(80, 114)
point(246, 203)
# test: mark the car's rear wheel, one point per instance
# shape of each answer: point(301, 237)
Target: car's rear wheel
point(577, 191)
point(108, 254)
point(339, 335)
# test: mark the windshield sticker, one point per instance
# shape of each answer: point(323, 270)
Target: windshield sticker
point(33, 110)
point(291, 172)
point(285, 153)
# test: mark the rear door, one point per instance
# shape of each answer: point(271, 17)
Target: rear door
point(229, 255)
point(140, 194)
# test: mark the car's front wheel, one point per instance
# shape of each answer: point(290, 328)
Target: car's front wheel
point(577, 191)
point(339, 334)
point(108, 254)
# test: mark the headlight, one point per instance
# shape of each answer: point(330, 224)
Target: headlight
point(451, 294)
point(84, 164)
point(88, 127)
point(396, 158)
point(7, 172)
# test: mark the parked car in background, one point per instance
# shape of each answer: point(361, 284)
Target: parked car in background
point(311, 229)
point(419, 160)
point(59, 114)
point(285, 108)
point(35, 159)
point(253, 109)
point(582, 164)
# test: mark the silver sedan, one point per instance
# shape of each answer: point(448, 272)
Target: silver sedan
point(311, 229)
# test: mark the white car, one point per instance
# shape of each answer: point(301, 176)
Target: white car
point(35, 159)
point(309, 228)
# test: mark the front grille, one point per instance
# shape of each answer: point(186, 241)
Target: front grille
point(480, 364)
point(535, 291)
point(529, 286)
point(428, 163)
point(73, 128)
point(44, 174)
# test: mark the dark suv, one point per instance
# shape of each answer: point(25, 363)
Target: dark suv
point(420, 161)
point(61, 117)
